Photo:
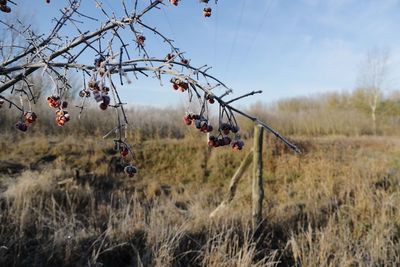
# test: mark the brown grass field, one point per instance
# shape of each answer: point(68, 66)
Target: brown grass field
point(64, 202)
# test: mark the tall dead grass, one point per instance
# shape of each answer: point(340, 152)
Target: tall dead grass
point(336, 205)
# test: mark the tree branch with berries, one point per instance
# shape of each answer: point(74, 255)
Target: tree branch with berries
point(53, 55)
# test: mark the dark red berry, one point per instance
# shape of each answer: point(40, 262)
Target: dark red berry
point(130, 170)
point(103, 106)
point(21, 126)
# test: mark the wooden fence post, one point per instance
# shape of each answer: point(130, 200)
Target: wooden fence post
point(258, 190)
point(234, 183)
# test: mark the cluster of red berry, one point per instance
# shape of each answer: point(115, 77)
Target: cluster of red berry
point(199, 122)
point(30, 117)
point(27, 118)
point(62, 115)
point(171, 56)
point(180, 85)
point(224, 140)
point(100, 92)
point(124, 151)
point(54, 101)
point(214, 141)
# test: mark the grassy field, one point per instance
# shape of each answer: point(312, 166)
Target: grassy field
point(63, 205)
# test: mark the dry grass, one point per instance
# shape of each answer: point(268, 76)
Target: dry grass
point(336, 205)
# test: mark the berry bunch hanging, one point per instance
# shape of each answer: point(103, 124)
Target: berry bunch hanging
point(27, 118)
point(62, 115)
point(30, 117)
point(179, 84)
point(124, 151)
point(97, 85)
point(54, 101)
point(106, 40)
point(227, 127)
point(200, 122)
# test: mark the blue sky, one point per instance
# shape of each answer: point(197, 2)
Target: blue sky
point(284, 47)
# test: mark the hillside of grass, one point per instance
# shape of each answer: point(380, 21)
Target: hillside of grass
point(64, 202)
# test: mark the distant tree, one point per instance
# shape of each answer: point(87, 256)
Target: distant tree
point(372, 75)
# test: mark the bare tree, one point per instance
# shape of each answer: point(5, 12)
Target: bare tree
point(372, 76)
point(55, 53)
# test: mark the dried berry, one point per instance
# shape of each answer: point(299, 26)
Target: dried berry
point(207, 12)
point(237, 145)
point(61, 120)
point(235, 129)
point(174, 2)
point(130, 170)
point(212, 140)
point(21, 126)
point(30, 117)
point(99, 61)
point(54, 101)
point(103, 106)
point(227, 140)
point(225, 128)
point(183, 86)
point(140, 39)
point(64, 104)
point(106, 99)
point(123, 151)
point(94, 86)
point(187, 119)
point(5, 9)
point(169, 57)
point(203, 126)
point(98, 96)
point(210, 99)
point(84, 93)
point(197, 124)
